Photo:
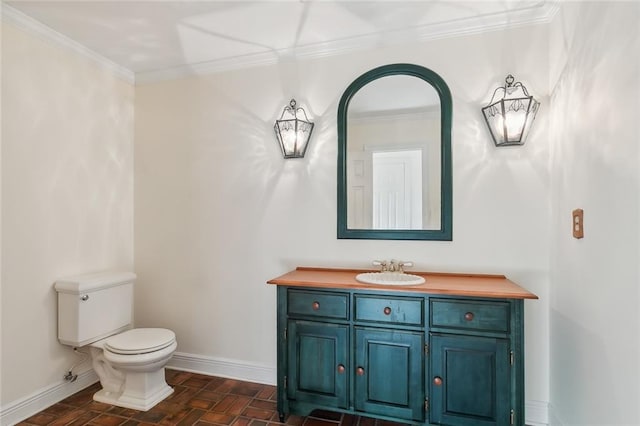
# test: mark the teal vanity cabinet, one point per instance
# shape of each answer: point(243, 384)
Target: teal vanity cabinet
point(316, 341)
point(474, 379)
point(447, 352)
point(388, 344)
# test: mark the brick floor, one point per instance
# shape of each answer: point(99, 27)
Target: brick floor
point(197, 400)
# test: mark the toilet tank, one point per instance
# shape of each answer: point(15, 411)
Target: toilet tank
point(94, 306)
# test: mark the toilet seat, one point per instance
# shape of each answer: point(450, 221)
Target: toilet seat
point(140, 341)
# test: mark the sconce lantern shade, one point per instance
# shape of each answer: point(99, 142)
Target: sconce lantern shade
point(293, 131)
point(510, 117)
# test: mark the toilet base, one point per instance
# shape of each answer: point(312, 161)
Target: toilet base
point(141, 391)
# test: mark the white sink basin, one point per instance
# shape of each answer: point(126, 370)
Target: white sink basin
point(389, 278)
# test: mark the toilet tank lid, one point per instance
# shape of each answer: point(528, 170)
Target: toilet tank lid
point(91, 282)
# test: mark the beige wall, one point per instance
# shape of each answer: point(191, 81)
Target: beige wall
point(219, 211)
point(595, 325)
point(1, 346)
point(67, 196)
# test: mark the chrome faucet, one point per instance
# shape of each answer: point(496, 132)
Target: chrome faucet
point(392, 265)
point(402, 265)
point(382, 264)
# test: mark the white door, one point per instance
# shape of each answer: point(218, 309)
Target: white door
point(359, 195)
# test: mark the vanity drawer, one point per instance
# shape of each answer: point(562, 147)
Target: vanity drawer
point(469, 314)
point(319, 304)
point(387, 309)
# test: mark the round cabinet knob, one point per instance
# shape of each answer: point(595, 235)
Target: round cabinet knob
point(315, 306)
point(387, 311)
point(341, 368)
point(437, 381)
point(468, 316)
point(360, 371)
point(84, 298)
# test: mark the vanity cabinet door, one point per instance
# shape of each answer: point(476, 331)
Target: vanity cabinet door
point(469, 381)
point(389, 373)
point(318, 365)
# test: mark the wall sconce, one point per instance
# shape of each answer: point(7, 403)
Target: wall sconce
point(509, 118)
point(294, 131)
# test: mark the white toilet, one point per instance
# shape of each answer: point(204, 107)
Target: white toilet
point(96, 310)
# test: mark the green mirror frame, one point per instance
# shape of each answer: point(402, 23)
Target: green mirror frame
point(430, 77)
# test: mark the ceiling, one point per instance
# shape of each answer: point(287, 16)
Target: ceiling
point(152, 39)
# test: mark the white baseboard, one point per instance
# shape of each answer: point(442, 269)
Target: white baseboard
point(221, 367)
point(24, 408)
point(554, 420)
point(536, 413)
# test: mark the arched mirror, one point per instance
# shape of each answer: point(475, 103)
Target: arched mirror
point(394, 155)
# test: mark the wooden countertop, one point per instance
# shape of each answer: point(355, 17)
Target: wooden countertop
point(495, 286)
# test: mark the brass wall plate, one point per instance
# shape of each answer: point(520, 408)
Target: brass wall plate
point(578, 223)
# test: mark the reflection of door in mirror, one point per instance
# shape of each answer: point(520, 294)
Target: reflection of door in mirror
point(397, 189)
point(393, 155)
point(360, 192)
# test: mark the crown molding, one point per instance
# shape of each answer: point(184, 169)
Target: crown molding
point(540, 13)
point(37, 28)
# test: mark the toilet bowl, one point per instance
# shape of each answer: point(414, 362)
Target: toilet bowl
point(130, 366)
point(95, 311)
